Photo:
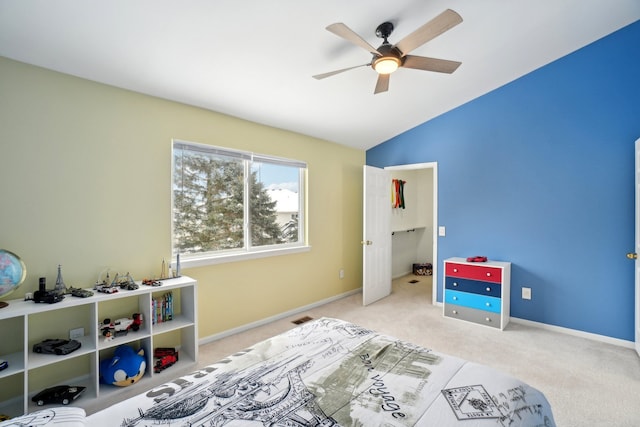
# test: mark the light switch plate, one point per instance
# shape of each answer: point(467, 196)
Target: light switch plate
point(442, 231)
point(526, 293)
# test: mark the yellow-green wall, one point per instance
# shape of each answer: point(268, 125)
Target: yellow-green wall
point(85, 173)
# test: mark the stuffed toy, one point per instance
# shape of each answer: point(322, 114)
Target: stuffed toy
point(126, 367)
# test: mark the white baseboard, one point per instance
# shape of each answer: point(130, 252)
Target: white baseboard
point(576, 333)
point(568, 331)
point(218, 336)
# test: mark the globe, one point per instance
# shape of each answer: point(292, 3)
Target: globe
point(12, 273)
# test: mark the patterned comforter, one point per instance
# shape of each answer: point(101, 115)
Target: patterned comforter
point(329, 372)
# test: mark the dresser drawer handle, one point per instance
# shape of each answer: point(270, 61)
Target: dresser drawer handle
point(488, 319)
point(488, 289)
point(488, 274)
point(455, 270)
point(455, 298)
point(455, 311)
point(488, 304)
point(455, 283)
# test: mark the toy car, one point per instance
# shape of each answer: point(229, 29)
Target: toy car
point(121, 326)
point(151, 282)
point(477, 259)
point(3, 364)
point(81, 293)
point(56, 346)
point(59, 394)
point(166, 357)
point(47, 296)
point(125, 282)
point(164, 351)
point(129, 286)
point(106, 289)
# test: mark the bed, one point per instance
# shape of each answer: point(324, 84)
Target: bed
point(325, 373)
point(329, 372)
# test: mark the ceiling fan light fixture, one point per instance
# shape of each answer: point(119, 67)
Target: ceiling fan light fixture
point(388, 57)
point(386, 64)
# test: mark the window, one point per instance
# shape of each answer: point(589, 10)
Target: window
point(231, 204)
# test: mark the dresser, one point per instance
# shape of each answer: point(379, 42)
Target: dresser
point(477, 292)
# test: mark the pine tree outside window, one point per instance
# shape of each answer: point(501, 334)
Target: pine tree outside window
point(230, 204)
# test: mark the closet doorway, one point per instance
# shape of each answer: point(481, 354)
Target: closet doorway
point(414, 228)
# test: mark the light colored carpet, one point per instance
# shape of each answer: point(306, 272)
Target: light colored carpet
point(588, 383)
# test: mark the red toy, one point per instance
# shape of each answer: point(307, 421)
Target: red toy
point(166, 357)
point(477, 259)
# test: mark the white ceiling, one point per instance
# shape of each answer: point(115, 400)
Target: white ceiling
point(254, 59)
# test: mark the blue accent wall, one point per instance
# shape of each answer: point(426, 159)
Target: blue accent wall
point(540, 172)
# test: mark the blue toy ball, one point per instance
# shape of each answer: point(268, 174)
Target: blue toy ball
point(126, 367)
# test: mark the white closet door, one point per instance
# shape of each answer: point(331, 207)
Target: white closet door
point(376, 237)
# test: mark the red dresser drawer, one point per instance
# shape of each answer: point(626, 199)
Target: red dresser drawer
point(476, 272)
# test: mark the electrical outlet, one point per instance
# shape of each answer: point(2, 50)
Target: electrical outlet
point(341, 274)
point(75, 334)
point(526, 293)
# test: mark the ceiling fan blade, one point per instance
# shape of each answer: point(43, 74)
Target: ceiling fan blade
point(332, 73)
point(341, 30)
point(382, 85)
point(430, 64)
point(438, 25)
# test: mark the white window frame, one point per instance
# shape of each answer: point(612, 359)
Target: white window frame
point(247, 252)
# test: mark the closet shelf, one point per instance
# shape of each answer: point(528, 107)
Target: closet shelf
point(407, 230)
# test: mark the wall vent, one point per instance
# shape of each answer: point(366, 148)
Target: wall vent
point(302, 320)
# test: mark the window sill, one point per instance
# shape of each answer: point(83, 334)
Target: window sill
point(243, 256)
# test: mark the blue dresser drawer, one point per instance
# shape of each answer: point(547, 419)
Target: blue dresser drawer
point(474, 286)
point(472, 300)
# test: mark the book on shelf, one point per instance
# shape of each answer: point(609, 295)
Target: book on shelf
point(162, 308)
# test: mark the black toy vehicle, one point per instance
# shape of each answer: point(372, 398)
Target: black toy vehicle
point(56, 346)
point(125, 282)
point(59, 394)
point(3, 364)
point(48, 297)
point(129, 286)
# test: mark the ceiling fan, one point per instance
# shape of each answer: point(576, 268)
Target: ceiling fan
point(387, 57)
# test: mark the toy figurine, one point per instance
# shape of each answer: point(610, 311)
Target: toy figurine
point(125, 282)
point(61, 288)
point(105, 286)
point(126, 367)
